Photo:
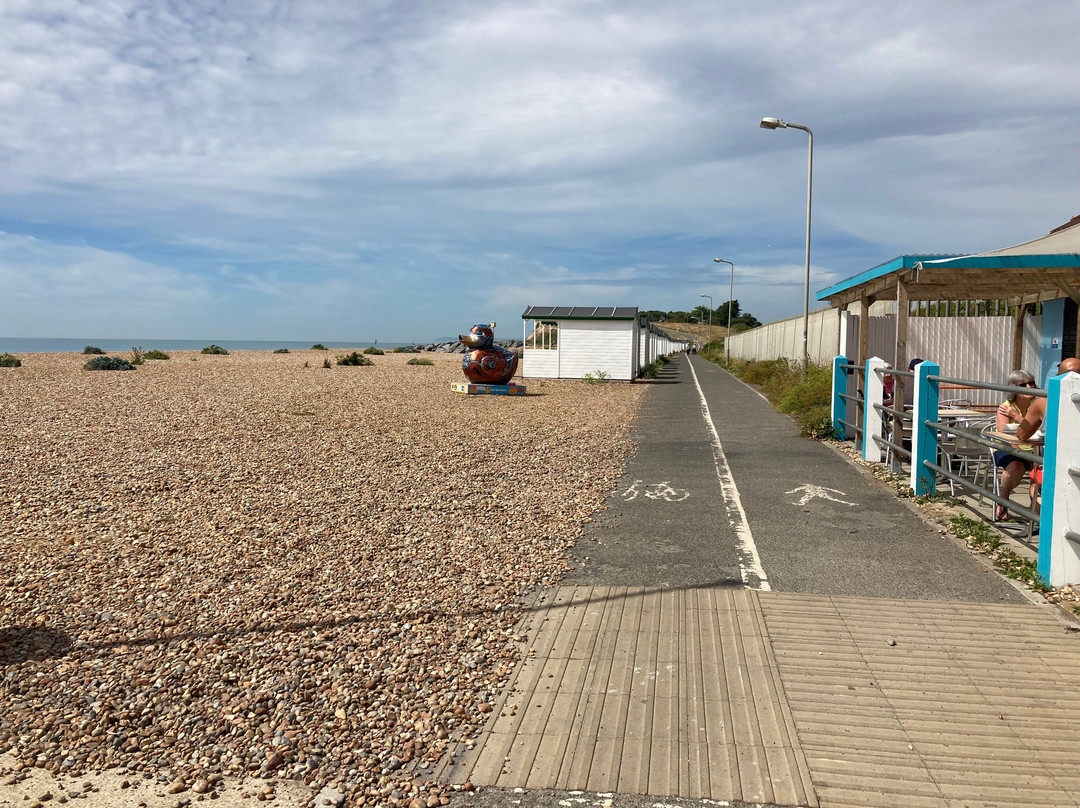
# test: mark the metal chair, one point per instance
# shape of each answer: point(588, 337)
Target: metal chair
point(970, 456)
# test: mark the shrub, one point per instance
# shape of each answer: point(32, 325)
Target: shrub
point(808, 399)
point(282, 350)
point(419, 360)
point(108, 363)
point(318, 346)
point(597, 377)
point(137, 356)
point(155, 354)
point(373, 351)
point(92, 349)
point(214, 349)
point(10, 361)
point(325, 363)
point(406, 349)
point(352, 359)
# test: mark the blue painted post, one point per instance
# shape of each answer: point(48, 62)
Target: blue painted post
point(839, 385)
point(1047, 531)
point(924, 439)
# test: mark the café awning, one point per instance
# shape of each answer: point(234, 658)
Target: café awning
point(1042, 269)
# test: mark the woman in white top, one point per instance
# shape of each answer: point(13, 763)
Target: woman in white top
point(1012, 411)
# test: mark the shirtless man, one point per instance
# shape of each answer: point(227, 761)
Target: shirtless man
point(1037, 411)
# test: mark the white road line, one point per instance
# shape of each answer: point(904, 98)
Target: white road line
point(753, 574)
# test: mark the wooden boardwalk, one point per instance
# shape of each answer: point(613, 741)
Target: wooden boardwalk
point(790, 699)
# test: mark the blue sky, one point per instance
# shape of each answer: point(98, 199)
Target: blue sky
point(351, 171)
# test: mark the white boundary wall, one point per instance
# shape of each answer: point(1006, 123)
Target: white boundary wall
point(978, 348)
point(784, 339)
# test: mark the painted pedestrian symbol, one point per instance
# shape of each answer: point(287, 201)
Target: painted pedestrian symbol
point(660, 490)
point(812, 491)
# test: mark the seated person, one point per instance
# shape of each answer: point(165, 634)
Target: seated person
point(1036, 413)
point(1012, 411)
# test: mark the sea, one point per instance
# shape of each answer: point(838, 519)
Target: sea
point(21, 345)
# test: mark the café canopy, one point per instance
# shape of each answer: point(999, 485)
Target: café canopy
point(1044, 269)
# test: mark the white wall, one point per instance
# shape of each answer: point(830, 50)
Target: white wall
point(784, 339)
point(586, 346)
point(977, 348)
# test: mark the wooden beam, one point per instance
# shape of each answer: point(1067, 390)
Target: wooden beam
point(1070, 290)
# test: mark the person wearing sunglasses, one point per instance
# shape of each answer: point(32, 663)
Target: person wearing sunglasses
point(1012, 411)
point(1036, 413)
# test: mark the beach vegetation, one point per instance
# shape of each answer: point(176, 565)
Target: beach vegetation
point(372, 351)
point(318, 346)
point(805, 397)
point(326, 363)
point(652, 370)
point(354, 358)
point(215, 349)
point(108, 363)
point(420, 360)
point(406, 349)
point(597, 376)
point(10, 361)
point(282, 350)
point(981, 538)
point(138, 356)
point(155, 354)
point(92, 349)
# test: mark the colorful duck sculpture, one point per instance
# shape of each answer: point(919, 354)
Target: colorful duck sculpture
point(485, 362)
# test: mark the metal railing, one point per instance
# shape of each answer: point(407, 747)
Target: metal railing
point(934, 436)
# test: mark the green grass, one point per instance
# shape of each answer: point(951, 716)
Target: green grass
point(419, 360)
point(155, 354)
point(807, 398)
point(979, 536)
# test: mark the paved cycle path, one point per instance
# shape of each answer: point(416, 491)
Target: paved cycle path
point(755, 499)
point(753, 620)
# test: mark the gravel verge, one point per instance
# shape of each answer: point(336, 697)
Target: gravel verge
point(249, 565)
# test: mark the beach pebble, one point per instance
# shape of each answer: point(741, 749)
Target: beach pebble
point(240, 564)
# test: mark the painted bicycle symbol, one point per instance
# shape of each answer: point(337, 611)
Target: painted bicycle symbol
point(660, 490)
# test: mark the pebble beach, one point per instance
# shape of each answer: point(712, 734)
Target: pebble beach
point(215, 568)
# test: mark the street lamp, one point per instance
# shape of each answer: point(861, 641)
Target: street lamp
point(710, 315)
point(730, 296)
point(779, 123)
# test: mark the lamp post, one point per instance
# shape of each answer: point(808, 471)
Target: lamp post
point(780, 123)
point(730, 297)
point(710, 316)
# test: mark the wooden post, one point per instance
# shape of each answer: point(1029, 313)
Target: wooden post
point(1018, 336)
point(900, 353)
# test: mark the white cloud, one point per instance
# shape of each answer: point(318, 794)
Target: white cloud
point(416, 152)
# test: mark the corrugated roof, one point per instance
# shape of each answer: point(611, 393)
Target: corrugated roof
point(581, 312)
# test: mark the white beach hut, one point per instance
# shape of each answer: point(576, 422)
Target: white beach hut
point(567, 342)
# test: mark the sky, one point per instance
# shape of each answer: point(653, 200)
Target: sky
point(350, 171)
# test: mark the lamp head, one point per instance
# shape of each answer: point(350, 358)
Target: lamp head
point(702, 295)
point(773, 123)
